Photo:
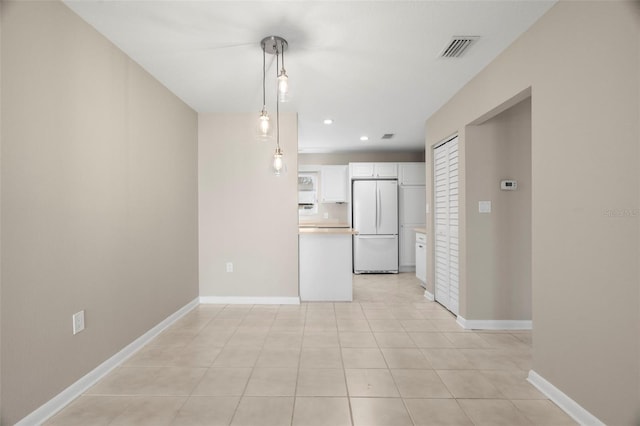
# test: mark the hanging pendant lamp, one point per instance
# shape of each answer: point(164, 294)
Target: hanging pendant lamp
point(283, 82)
point(264, 127)
point(278, 161)
point(274, 45)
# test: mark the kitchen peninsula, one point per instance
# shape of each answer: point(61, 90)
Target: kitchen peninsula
point(326, 263)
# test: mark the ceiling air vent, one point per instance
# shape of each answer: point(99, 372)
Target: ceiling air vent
point(457, 46)
point(388, 136)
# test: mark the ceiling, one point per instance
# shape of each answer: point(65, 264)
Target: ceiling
point(371, 66)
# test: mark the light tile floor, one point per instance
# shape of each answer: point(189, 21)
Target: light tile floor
point(389, 358)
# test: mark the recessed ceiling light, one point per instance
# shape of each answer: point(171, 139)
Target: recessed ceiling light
point(328, 121)
point(364, 138)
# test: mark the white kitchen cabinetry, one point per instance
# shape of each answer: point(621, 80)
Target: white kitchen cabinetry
point(325, 267)
point(374, 170)
point(412, 202)
point(407, 253)
point(421, 257)
point(333, 184)
point(361, 170)
point(385, 170)
point(410, 174)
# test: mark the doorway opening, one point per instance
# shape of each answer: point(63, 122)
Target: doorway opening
point(498, 206)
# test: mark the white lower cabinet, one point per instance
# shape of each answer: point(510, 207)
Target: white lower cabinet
point(325, 267)
point(408, 247)
point(421, 257)
point(411, 215)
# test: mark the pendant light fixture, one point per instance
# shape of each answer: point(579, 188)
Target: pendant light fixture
point(264, 128)
point(283, 83)
point(278, 162)
point(274, 45)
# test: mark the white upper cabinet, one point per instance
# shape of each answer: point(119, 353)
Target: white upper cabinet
point(374, 170)
point(333, 184)
point(385, 170)
point(411, 174)
point(364, 170)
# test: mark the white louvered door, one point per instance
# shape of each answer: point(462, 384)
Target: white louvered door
point(446, 217)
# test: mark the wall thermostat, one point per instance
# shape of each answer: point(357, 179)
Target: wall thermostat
point(508, 185)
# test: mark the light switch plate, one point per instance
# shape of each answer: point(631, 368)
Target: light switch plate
point(78, 322)
point(484, 206)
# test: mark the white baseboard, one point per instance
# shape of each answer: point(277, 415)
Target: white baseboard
point(233, 300)
point(429, 296)
point(567, 404)
point(494, 324)
point(61, 400)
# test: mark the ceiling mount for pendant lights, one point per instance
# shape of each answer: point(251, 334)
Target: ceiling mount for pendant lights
point(274, 45)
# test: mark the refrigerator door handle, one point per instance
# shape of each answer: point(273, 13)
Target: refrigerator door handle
point(378, 210)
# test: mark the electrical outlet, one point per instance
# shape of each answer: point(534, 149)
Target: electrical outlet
point(78, 322)
point(325, 215)
point(229, 266)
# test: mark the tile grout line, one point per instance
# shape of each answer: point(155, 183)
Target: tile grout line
point(344, 370)
point(404, 404)
point(295, 390)
point(201, 378)
point(244, 389)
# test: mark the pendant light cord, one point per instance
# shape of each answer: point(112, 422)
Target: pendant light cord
point(282, 47)
point(277, 102)
point(264, 72)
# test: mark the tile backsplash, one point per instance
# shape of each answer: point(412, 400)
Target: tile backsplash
point(337, 213)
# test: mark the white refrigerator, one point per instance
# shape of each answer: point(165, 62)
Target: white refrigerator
point(375, 217)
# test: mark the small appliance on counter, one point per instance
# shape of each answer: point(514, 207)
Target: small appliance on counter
point(307, 193)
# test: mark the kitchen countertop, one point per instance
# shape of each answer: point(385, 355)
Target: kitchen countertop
point(420, 230)
point(325, 231)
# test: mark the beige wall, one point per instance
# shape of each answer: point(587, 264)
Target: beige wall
point(357, 156)
point(498, 244)
point(248, 215)
point(99, 202)
point(585, 136)
point(1, 9)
